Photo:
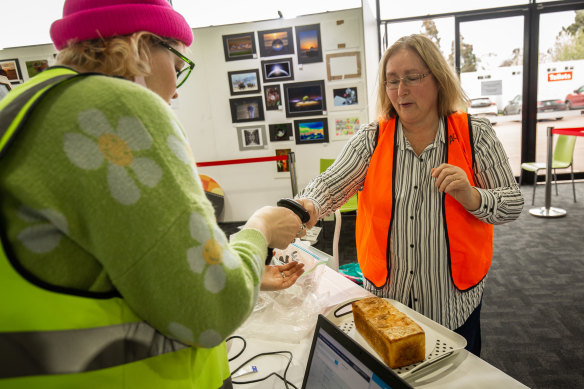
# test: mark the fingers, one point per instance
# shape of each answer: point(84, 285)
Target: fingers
point(450, 178)
point(311, 208)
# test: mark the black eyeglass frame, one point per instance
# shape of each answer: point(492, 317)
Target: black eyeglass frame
point(190, 64)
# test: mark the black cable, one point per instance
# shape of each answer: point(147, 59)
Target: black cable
point(242, 349)
point(286, 382)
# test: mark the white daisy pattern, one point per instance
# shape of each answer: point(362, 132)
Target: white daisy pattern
point(45, 231)
point(209, 255)
point(179, 145)
point(99, 144)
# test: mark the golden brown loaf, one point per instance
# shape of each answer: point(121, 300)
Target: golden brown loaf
point(397, 339)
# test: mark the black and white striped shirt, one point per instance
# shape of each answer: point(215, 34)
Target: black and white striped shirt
point(419, 273)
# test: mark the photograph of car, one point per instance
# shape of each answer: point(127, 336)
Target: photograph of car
point(483, 106)
point(576, 99)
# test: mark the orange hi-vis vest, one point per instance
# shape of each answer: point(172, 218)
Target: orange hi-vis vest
point(469, 240)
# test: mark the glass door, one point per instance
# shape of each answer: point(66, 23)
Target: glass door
point(560, 92)
point(491, 74)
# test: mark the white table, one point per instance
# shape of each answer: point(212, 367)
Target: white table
point(462, 370)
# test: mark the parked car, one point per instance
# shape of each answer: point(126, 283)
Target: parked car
point(514, 106)
point(575, 100)
point(551, 105)
point(483, 106)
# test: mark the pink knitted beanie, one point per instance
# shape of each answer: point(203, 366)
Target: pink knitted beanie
point(91, 19)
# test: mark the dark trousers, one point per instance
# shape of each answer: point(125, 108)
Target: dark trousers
point(471, 331)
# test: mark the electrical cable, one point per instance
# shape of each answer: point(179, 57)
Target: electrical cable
point(242, 348)
point(284, 378)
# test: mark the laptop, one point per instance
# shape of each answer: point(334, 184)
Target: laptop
point(337, 361)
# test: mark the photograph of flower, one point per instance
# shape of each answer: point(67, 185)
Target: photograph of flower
point(280, 132)
point(307, 131)
point(273, 97)
point(239, 46)
point(243, 82)
point(305, 98)
point(308, 43)
point(276, 42)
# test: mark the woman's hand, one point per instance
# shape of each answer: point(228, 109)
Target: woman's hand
point(311, 208)
point(281, 277)
point(453, 180)
point(280, 226)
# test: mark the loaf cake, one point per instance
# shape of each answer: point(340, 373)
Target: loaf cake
point(393, 335)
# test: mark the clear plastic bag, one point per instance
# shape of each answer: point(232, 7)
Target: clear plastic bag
point(295, 309)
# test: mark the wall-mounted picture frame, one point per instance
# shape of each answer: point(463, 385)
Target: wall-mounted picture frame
point(5, 86)
point(246, 109)
point(281, 132)
point(273, 97)
point(12, 69)
point(35, 66)
point(239, 46)
point(308, 131)
point(305, 98)
point(276, 42)
point(342, 66)
point(277, 70)
point(251, 137)
point(344, 125)
point(341, 34)
point(345, 96)
point(283, 166)
point(308, 43)
point(242, 82)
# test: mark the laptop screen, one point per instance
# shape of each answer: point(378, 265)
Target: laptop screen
point(337, 361)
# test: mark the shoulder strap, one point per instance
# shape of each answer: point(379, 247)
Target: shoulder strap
point(20, 103)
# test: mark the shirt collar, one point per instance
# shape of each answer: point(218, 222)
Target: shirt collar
point(402, 141)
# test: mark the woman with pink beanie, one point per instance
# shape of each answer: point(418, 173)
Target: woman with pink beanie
point(113, 270)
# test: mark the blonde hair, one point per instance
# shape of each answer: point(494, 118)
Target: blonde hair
point(451, 97)
point(124, 56)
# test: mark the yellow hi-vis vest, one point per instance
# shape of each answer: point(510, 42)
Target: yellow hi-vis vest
point(469, 240)
point(51, 337)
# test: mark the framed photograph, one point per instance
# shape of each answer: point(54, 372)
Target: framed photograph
point(273, 97)
point(239, 46)
point(282, 166)
point(344, 125)
point(341, 66)
point(278, 70)
point(281, 132)
point(36, 66)
point(247, 109)
point(305, 98)
point(11, 68)
point(308, 45)
point(251, 137)
point(242, 82)
point(5, 86)
point(307, 131)
point(344, 97)
point(276, 42)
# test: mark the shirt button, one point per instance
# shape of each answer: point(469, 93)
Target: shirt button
point(415, 186)
point(411, 218)
point(412, 246)
point(415, 300)
point(411, 272)
point(421, 159)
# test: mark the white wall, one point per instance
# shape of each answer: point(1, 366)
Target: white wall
point(203, 106)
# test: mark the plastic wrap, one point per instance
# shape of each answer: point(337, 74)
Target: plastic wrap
point(294, 309)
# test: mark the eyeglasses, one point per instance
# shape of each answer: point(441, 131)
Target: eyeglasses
point(409, 80)
point(185, 72)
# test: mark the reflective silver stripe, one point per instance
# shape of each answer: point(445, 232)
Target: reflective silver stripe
point(9, 113)
point(75, 351)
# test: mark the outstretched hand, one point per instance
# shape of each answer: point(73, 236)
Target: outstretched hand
point(281, 276)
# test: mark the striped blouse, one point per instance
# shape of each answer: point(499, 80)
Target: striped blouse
point(419, 275)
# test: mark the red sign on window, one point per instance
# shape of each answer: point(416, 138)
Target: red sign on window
point(560, 76)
